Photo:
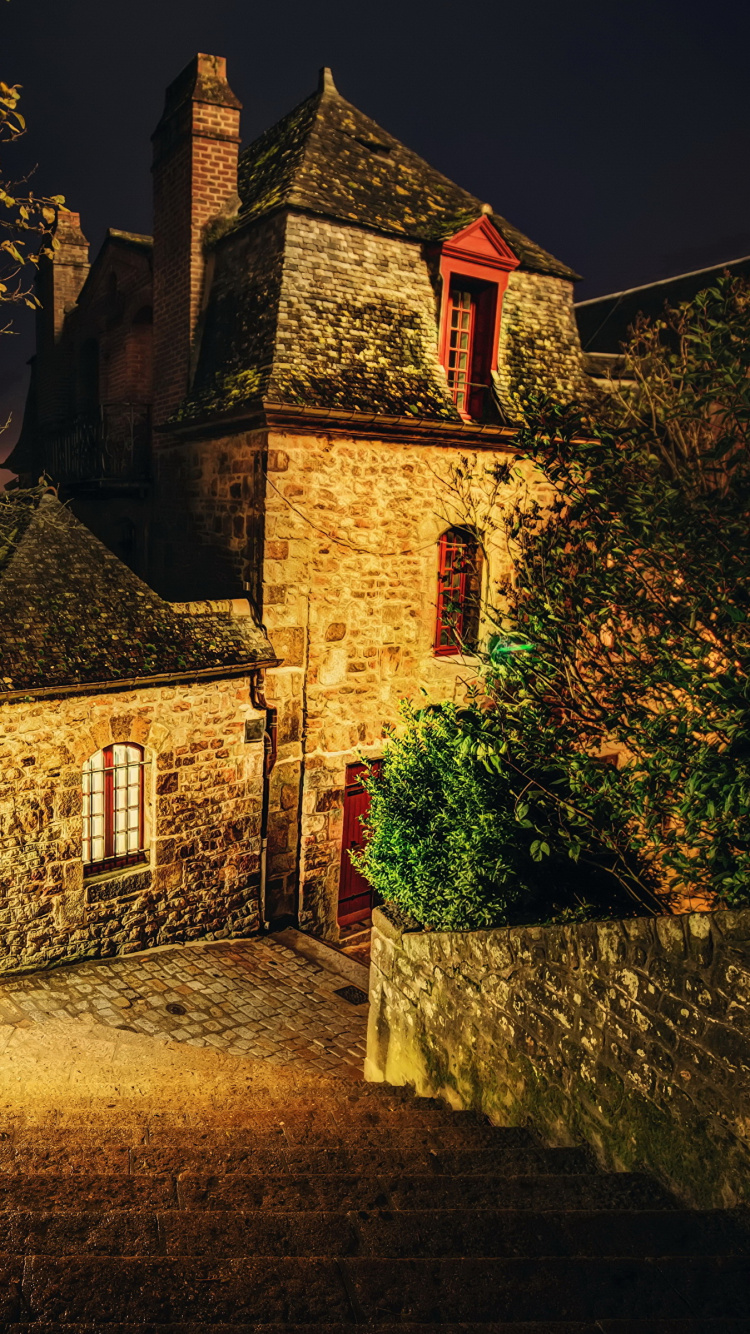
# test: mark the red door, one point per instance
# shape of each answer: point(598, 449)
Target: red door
point(355, 893)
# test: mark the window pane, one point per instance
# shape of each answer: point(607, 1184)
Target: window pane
point(93, 808)
point(112, 798)
point(460, 345)
point(459, 591)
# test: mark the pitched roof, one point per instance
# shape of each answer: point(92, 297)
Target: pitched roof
point(328, 157)
point(605, 321)
point(72, 614)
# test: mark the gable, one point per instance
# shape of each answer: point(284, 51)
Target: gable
point(124, 254)
point(482, 245)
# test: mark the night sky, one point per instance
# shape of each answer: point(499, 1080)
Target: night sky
point(617, 135)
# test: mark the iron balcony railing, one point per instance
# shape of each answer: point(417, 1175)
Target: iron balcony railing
point(109, 443)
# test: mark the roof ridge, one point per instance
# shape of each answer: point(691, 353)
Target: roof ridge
point(662, 282)
point(269, 137)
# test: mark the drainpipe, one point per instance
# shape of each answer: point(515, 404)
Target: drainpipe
point(269, 760)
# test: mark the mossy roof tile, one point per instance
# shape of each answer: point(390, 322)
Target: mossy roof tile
point(71, 613)
point(328, 157)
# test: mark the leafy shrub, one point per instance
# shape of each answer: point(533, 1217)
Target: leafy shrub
point(631, 583)
point(450, 838)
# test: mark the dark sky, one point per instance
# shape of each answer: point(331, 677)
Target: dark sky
point(615, 134)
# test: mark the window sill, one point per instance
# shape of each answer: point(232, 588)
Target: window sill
point(460, 656)
point(113, 872)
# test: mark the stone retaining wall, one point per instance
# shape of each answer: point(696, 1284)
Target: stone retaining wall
point(633, 1036)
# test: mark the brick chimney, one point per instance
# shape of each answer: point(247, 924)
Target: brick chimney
point(196, 147)
point(58, 287)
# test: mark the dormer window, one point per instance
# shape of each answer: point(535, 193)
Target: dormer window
point(474, 266)
point(471, 324)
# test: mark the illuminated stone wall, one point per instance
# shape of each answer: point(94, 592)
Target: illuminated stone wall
point(350, 586)
point(336, 539)
point(203, 789)
point(632, 1036)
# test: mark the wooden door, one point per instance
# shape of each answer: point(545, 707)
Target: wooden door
point(356, 896)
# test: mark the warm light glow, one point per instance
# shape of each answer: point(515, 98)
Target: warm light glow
point(113, 804)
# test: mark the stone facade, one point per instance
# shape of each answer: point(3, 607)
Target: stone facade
point(203, 792)
point(632, 1036)
point(303, 421)
point(347, 533)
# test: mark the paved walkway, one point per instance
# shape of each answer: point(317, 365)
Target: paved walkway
point(243, 997)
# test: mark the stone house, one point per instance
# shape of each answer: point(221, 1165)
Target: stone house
point(132, 740)
point(332, 325)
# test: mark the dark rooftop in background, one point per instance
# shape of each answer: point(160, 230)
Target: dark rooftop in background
point(604, 321)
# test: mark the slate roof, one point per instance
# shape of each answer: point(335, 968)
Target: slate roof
point(72, 614)
point(604, 321)
point(328, 157)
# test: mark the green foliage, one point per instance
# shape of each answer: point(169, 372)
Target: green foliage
point(635, 590)
point(454, 838)
point(634, 587)
point(26, 219)
point(619, 747)
point(439, 842)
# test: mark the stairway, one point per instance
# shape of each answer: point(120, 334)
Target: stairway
point(349, 1204)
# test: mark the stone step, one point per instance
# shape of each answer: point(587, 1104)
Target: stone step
point(630, 1326)
point(379, 1233)
point(246, 1192)
point(104, 1289)
point(174, 1158)
point(59, 1147)
point(316, 1132)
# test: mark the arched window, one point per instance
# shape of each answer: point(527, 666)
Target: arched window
point(113, 823)
point(459, 591)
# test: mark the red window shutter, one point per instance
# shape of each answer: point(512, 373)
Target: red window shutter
point(485, 302)
point(109, 801)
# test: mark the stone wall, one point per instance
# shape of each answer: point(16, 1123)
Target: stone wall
point(203, 789)
point(349, 602)
point(632, 1036)
point(208, 539)
point(336, 540)
point(539, 347)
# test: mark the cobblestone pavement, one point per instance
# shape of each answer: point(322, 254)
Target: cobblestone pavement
point(246, 997)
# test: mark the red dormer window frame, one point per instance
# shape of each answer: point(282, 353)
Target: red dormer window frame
point(478, 260)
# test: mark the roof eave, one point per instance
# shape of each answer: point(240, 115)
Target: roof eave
point(267, 414)
point(137, 682)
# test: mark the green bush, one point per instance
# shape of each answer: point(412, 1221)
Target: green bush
point(631, 589)
point(450, 839)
